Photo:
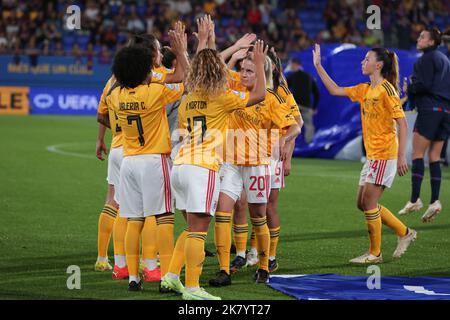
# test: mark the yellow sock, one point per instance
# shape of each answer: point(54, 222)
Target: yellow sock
point(373, 219)
point(120, 229)
point(149, 250)
point(134, 229)
point(253, 238)
point(240, 237)
point(392, 221)
point(165, 240)
point(105, 227)
point(222, 239)
point(178, 260)
point(274, 237)
point(262, 235)
point(194, 251)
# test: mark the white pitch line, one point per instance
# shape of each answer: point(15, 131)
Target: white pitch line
point(56, 149)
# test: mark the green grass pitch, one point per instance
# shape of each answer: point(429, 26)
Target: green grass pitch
point(50, 203)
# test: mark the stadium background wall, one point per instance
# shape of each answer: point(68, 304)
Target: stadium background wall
point(65, 86)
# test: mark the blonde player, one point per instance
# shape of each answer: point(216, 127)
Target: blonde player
point(145, 189)
point(380, 113)
point(205, 111)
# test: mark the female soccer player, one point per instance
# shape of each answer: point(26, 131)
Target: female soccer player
point(247, 168)
point(430, 91)
point(142, 116)
point(205, 112)
point(380, 112)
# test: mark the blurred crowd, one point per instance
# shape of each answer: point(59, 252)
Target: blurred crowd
point(38, 27)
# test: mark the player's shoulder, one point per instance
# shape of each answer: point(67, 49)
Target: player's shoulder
point(283, 89)
point(231, 93)
point(271, 94)
point(388, 89)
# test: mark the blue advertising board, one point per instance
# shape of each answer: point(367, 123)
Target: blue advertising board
point(64, 101)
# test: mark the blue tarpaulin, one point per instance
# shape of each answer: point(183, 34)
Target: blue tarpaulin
point(340, 287)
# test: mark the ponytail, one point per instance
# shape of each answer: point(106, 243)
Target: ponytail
point(393, 73)
point(277, 73)
point(268, 72)
point(390, 70)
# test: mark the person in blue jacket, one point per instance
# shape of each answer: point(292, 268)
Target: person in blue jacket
point(429, 92)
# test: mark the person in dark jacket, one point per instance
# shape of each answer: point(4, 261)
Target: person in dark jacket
point(429, 92)
point(302, 85)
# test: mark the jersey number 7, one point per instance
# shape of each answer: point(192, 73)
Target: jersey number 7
point(139, 127)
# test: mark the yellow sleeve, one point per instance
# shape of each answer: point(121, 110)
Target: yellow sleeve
point(281, 114)
point(357, 93)
point(234, 81)
point(182, 123)
point(392, 102)
point(159, 75)
point(172, 92)
point(235, 100)
point(292, 104)
point(102, 106)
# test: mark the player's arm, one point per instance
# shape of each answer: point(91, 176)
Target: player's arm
point(243, 43)
point(331, 86)
point(288, 139)
point(211, 34)
point(178, 44)
point(258, 93)
point(402, 166)
point(103, 119)
point(290, 145)
point(238, 55)
point(202, 34)
point(100, 146)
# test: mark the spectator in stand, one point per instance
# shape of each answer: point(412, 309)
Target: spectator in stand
point(302, 85)
point(76, 52)
point(104, 57)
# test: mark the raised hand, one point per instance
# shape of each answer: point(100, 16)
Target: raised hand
point(316, 56)
point(211, 33)
point(260, 52)
point(240, 54)
point(202, 28)
point(178, 42)
point(245, 41)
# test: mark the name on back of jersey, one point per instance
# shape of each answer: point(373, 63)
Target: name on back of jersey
point(196, 105)
point(123, 106)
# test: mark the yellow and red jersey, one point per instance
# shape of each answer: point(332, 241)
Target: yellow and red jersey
point(159, 74)
point(206, 120)
point(142, 116)
point(234, 81)
point(107, 107)
point(284, 92)
point(380, 106)
point(252, 130)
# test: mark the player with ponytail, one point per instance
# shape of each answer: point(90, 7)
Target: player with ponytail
point(381, 112)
